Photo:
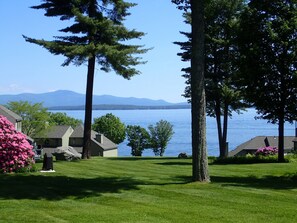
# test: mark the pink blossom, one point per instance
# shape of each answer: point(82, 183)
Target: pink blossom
point(15, 151)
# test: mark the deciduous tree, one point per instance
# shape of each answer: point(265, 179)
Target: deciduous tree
point(61, 118)
point(138, 139)
point(160, 135)
point(110, 126)
point(35, 117)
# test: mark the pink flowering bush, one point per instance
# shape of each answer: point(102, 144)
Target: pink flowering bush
point(266, 151)
point(16, 153)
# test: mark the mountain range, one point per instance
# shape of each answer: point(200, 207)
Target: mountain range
point(64, 99)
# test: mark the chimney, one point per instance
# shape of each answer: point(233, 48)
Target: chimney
point(99, 138)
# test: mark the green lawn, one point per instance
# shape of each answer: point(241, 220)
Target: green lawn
point(150, 190)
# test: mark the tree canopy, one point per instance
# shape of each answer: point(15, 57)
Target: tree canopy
point(268, 47)
point(35, 117)
point(138, 139)
point(160, 135)
point(61, 118)
point(110, 126)
point(221, 66)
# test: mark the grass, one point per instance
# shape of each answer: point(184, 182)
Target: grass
point(150, 190)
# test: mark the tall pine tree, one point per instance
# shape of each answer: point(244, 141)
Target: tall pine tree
point(221, 66)
point(268, 47)
point(198, 110)
point(97, 35)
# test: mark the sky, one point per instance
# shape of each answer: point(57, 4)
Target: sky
point(29, 68)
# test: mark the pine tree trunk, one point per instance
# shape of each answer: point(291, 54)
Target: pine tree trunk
point(199, 153)
point(225, 130)
point(219, 128)
point(86, 153)
point(281, 150)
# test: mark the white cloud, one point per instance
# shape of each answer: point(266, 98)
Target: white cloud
point(14, 89)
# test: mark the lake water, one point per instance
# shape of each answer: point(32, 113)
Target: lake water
point(241, 128)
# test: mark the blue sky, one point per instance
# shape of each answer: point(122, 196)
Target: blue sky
point(28, 68)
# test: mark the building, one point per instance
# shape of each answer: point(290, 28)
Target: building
point(15, 119)
point(251, 146)
point(64, 136)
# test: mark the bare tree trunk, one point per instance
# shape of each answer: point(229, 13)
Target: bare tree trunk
point(199, 152)
point(281, 150)
point(86, 153)
point(219, 127)
point(225, 130)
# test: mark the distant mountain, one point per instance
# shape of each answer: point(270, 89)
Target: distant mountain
point(70, 99)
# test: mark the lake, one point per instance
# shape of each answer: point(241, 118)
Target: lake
point(241, 128)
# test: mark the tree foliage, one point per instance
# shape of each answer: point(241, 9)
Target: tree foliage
point(61, 118)
point(110, 126)
point(138, 139)
point(15, 151)
point(97, 34)
point(160, 135)
point(35, 118)
point(268, 46)
point(221, 66)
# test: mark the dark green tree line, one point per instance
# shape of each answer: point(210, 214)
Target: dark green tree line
point(268, 47)
point(221, 66)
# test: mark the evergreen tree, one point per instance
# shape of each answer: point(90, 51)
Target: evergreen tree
point(198, 110)
point(97, 34)
point(268, 46)
point(221, 56)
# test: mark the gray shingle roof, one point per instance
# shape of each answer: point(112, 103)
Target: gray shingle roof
point(106, 145)
point(10, 115)
point(56, 132)
point(258, 142)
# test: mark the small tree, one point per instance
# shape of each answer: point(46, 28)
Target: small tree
point(61, 118)
point(160, 136)
point(35, 118)
point(111, 126)
point(15, 151)
point(138, 139)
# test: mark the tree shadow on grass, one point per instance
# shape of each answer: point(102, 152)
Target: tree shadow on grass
point(180, 163)
point(285, 182)
point(61, 187)
point(288, 181)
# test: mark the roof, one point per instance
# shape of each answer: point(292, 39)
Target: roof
point(56, 132)
point(10, 115)
point(106, 145)
point(259, 142)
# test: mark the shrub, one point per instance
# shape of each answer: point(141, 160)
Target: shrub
point(248, 159)
point(16, 154)
point(266, 151)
